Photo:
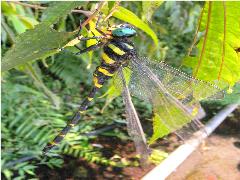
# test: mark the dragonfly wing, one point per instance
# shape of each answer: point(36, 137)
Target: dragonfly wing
point(133, 123)
point(185, 88)
point(180, 84)
point(175, 105)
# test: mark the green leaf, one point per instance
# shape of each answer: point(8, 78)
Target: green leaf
point(17, 24)
point(148, 8)
point(34, 44)
point(217, 56)
point(232, 98)
point(157, 156)
point(28, 22)
point(8, 30)
point(58, 9)
point(7, 173)
point(18, 18)
point(111, 5)
point(6, 8)
point(159, 129)
point(39, 42)
point(130, 17)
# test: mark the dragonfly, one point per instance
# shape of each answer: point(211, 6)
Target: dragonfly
point(173, 94)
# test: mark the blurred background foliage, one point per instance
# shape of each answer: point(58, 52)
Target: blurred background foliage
point(39, 96)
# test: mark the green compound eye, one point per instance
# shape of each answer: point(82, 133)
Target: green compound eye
point(123, 32)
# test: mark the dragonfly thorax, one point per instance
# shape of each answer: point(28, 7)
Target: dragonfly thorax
point(118, 51)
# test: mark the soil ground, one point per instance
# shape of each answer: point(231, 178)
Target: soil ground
point(217, 159)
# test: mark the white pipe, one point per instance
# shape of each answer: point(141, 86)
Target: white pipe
point(163, 170)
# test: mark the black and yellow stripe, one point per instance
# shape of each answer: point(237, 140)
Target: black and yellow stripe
point(116, 49)
point(104, 71)
point(107, 59)
point(72, 123)
point(115, 55)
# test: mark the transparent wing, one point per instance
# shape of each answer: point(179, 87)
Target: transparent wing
point(133, 123)
point(172, 114)
point(179, 84)
point(174, 95)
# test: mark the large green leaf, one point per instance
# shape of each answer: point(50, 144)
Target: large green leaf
point(159, 129)
point(22, 21)
point(128, 16)
point(34, 44)
point(57, 10)
point(217, 51)
point(38, 42)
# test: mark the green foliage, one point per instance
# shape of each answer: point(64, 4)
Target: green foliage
point(210, 63)
point(70, 68)
point(24, 128)
point(23, 20)
point(157, 156)
point(176, 31)
point(159, 129)
point(38, 42)
point(58, 10)
point(148, 9)
point(19, 19)
point(232, 98)
point(29, 120)
point(183, 16)
point(217, 56)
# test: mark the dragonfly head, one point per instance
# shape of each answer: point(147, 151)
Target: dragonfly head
point(123, 30)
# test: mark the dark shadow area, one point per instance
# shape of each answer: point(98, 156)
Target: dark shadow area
point(238, 166)
point(237, 144)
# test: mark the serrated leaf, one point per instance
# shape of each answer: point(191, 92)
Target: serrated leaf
point(128, 16)
point(212, 61)
point(34, 44)
point(38, 42)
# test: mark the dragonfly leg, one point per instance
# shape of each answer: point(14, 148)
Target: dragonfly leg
point(90, 48)
point(80, 26)
point(94, 37)
point(80, 38)
point(80, 29)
